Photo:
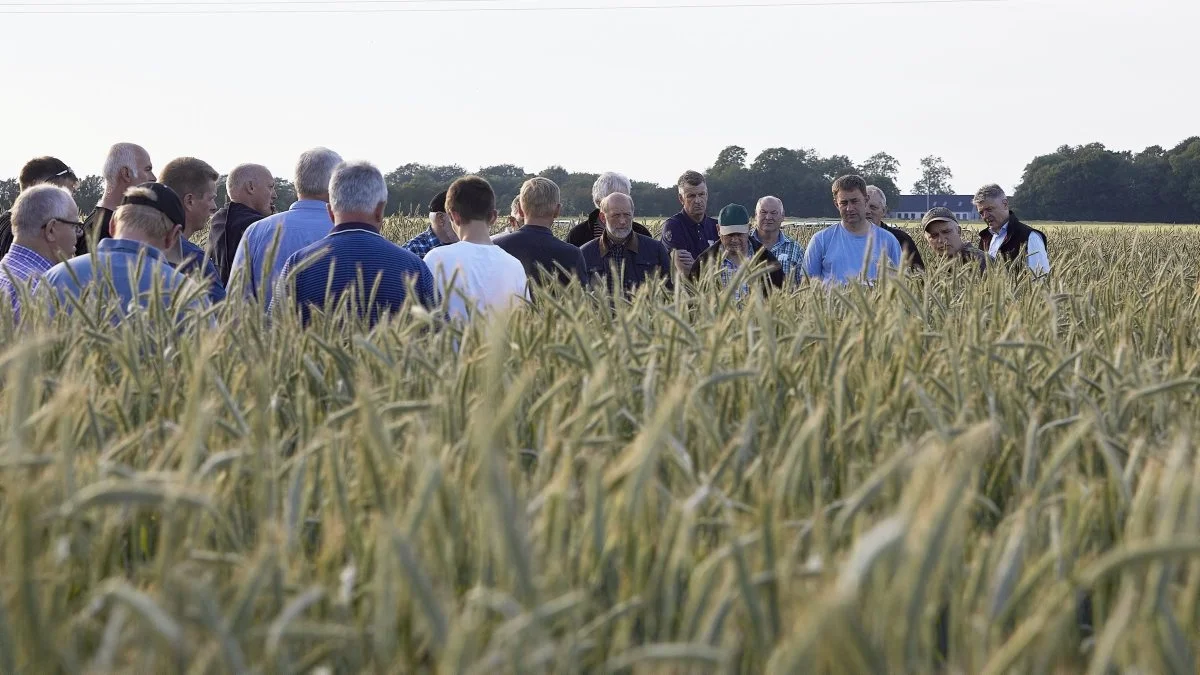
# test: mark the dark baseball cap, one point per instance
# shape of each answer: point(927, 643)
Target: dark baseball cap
point(438, 203)
point(936, 214)
point(159, 197)
point(43, 169)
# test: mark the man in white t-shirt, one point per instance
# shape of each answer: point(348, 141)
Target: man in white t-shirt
point(475, 272)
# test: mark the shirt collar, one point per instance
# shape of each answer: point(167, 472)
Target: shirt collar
point(308, 205)
point(630, 244)
point(349, 227)
point(783, 238)
point(130, 247)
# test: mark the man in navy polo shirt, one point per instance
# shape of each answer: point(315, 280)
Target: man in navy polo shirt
point(354, 257)
point(688, 233)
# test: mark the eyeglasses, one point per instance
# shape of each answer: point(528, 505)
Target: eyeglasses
point(78, 225)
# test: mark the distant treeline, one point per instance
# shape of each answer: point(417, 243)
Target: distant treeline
point(1085, 183)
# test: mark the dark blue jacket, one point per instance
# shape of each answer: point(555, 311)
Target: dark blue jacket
point(195, 260)
point(225, 234)
point(640, 258)
point(681, 232)
point(540, 252)
point(352, 249)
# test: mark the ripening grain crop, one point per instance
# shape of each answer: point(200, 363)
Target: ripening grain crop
point(848, 481)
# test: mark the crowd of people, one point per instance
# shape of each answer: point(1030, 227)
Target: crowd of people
point(137, 244)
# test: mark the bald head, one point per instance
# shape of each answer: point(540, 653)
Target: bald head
point(251, 185)
point(768, 215)
point(616, 212)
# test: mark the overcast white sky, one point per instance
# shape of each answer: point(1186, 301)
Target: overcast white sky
point(987, 86)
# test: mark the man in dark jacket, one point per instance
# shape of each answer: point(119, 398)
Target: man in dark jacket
point(545, 257)
point(608, 183)
point(126, 166)
point(35, 172)
point(1006, 235)
point(620, 250)
point(876, 210)
point(735, 250)
point(251, 189)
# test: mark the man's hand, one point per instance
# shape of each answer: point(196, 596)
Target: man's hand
point(683, 260)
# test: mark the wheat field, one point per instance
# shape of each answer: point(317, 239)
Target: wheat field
point(935, 474)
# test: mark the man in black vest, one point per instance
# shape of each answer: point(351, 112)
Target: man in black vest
point(1006, 235)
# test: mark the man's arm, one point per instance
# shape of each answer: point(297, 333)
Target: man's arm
point(813, 256)
point(1035, 249)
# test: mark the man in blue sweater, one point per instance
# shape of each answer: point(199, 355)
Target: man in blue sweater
point(354, 257)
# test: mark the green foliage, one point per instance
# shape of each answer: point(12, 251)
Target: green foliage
point(1091, 182)
point(9, 189)
point(935, 177)
point(676, 483)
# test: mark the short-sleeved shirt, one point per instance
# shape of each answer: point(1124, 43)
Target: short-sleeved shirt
point(484, 276)
point(836, 255)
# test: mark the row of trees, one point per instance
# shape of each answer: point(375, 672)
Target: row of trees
point(1087, 182)
point(1091, 182)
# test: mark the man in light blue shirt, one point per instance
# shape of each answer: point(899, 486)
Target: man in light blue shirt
point(839, 253)
point(131, 264)
point(259, 260)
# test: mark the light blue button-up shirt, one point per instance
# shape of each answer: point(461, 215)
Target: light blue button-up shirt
point(307, 221)
point(134, 268)
point(1035, 249)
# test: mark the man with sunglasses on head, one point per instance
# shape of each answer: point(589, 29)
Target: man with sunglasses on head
point(45, 225)
point(36, 171)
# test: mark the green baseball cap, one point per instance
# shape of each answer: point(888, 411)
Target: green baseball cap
point(733, 219)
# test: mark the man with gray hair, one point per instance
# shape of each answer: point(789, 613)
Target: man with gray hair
point(354, 257)
point(606, 184)
point(127, 165)
point(45, 225)
point(131, 264)
point(621, 253)
point(690, 232)
point(876, 210)
point(269, 242)
point(768, 234)
point(1007, 236)
point(544, 257)
point(251, 190)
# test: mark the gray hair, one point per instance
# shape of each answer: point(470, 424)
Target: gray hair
point(874, 191)
point(314, 171)
point(759, 204)
point(608, 183)
point(689, 179)
point(357, 187)
point(244, 173)
point(604, 202)
point(989, 192)
point(122, 156)
point(36, 206)
point(515, 207)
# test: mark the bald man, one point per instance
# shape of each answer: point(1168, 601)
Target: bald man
point(634, 256)
point(251, 190)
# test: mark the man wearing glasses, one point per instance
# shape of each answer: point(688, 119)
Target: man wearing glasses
point(46, 224)
point(35, 172)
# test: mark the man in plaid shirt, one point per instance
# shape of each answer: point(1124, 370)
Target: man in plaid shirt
point(439, 233)
point(767, 233)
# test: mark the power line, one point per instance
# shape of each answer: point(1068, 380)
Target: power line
point(216, 7)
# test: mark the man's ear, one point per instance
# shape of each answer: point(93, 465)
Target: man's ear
point(379, 212)
point(603, 219)
point(557, 209)
point(492, 216)
point(188, 200)
point(329, 210)
point(173, 237)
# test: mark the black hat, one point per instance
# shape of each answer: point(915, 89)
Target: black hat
point(438, 204)
point(157, 196)
point(43, 169)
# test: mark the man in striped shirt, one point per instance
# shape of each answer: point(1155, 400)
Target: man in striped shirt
point(45, 224)
point(353, 258)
